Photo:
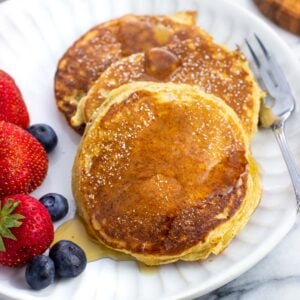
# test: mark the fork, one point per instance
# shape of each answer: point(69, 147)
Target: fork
point(282, 106)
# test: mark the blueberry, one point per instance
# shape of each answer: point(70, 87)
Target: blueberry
point(45, 135)
point(69, 259)
point(56, 204)
point(40, 272)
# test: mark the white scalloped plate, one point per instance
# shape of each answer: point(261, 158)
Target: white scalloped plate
point(33, 36)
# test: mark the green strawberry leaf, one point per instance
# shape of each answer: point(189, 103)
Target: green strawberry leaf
point(2, 247)
point(12, 221)
point(17, 217)
point(5, 232)
point(8, 220)
point(9, 207)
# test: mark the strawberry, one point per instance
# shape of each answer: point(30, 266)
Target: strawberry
point(26, 229)
point(23, 161)
point(12, 105)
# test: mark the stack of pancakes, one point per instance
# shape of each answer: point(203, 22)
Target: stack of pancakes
point(164, 170)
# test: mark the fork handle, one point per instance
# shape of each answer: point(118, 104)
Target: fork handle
point(289, 159)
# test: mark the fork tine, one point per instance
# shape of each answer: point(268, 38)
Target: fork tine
point(263, 48)
point(277, 71)
point(268, 63)
point(262, 65)
point(256, 60)
point(274, 65)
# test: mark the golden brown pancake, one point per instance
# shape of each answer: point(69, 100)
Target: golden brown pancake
point(106, 43)
point(163, 173)
point(214, 68)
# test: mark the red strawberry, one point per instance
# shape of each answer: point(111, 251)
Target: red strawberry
point(26, 230)
point(23, 161)
point(12, 106)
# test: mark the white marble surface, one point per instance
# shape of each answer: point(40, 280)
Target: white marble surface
point(277, 276)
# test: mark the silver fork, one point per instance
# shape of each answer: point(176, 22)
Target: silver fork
point(281, 107)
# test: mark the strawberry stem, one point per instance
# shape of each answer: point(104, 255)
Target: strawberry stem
point(8, 220)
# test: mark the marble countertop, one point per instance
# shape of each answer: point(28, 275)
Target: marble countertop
point(277, 276)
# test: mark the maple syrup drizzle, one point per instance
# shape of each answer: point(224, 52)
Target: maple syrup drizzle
point(74, 230)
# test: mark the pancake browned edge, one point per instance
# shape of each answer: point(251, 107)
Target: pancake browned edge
point(164, 173)
point(216, 69)
point(106, 43)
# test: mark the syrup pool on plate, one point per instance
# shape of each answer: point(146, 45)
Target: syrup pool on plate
point(74, 230)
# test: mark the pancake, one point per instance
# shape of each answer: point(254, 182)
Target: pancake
point(214, 68)
point(164, 173)
point(106, 43)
